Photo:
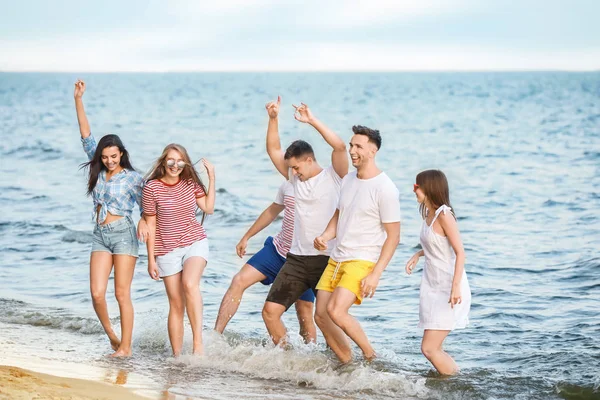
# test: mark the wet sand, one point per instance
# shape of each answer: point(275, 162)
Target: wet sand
point(18, 383)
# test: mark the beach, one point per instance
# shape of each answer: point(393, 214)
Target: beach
point(521, 153)
point(21, 384)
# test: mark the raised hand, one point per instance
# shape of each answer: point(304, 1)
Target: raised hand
point(303, 113)
point(320, 243)
point(79, 89)
point(273, 107)
point(209, 168)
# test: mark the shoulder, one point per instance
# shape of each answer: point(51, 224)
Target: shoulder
point(152, 185)
point(386, 185)
point(349, 178)
point(135, 175)
point(287, 188)
point(446, 217)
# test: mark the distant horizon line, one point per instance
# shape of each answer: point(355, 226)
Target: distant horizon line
point(299, 71)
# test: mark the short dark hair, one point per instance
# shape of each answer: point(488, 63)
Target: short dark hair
point(372, 134)
point(299, 148)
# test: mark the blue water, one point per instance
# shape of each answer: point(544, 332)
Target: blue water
point(522, 155)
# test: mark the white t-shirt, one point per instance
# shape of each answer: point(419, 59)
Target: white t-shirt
point(283, 240)
point(365, 205)
point(316, 201)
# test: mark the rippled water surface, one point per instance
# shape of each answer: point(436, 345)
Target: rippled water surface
point(521, 152)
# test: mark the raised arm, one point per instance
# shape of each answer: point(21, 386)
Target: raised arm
point(265, 219)
point(84, 126)
point(339, 157)
point(273, 142)
point(207, 203)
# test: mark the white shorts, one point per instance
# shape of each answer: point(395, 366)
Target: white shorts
point(172, 262)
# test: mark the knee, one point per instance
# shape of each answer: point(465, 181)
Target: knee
point(270, 313)
point(428, 350)
point(122, 295)
point(321, 318)
point(98, 295)
point(304, 311)
point(177, 306)
point(335, 313)
point(190, 287)
point(238, 283)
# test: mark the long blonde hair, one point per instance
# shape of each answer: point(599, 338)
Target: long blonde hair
point(189, 171)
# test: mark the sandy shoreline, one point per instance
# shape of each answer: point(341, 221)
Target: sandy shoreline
point(18, 383)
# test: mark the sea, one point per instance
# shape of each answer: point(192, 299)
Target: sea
point(521, 151)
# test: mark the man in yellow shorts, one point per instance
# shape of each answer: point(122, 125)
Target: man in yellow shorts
point(367, 227)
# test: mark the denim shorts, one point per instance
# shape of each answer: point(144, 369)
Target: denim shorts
point(118, 237)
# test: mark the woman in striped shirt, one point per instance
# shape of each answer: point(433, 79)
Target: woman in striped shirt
point(177, 244)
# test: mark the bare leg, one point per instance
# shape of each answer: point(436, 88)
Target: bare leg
point(335, 337)
point(174, 289)
point(272, 313)
point(247, 277)
point(192, 272)
point(431, 347)
point(101, 263)
point(339, 304)
point(308, 330)
point(124, 268)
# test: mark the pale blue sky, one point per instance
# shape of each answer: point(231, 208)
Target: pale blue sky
point(251, 35)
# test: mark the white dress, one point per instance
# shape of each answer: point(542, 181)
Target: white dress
point(434, 310)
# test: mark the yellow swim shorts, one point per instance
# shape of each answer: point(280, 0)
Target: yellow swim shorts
point(346, 274)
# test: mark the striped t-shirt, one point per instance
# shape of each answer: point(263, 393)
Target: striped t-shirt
point(175, 209)
point(283, 240)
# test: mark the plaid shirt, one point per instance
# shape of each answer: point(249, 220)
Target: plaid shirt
point(117, 196)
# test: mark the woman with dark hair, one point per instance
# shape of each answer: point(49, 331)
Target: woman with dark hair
point(445, 295)
point(177, 245)
point(115, 187)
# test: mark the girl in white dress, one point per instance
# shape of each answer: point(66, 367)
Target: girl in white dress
point(445, 296)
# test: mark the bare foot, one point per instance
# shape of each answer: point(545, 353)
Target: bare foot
point(198, 350)
point(121, 353)
point(370, 358)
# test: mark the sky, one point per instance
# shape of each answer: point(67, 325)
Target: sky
point(308, 35)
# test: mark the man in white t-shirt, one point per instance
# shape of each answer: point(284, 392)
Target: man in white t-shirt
point(264, 266)
point(316, 197)
point(366, 225)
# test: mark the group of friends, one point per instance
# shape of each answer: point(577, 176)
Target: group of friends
point(340, 230)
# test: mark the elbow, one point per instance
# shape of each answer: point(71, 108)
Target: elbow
point(209, 211)
point(341, 147)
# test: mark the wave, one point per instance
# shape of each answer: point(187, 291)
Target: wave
point(37, 150)
point(571, 391)
point(21, 313)
point(306, 366)
point(32, 229)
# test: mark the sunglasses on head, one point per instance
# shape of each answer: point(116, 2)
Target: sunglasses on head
point(415, 187)
point(180, 164)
